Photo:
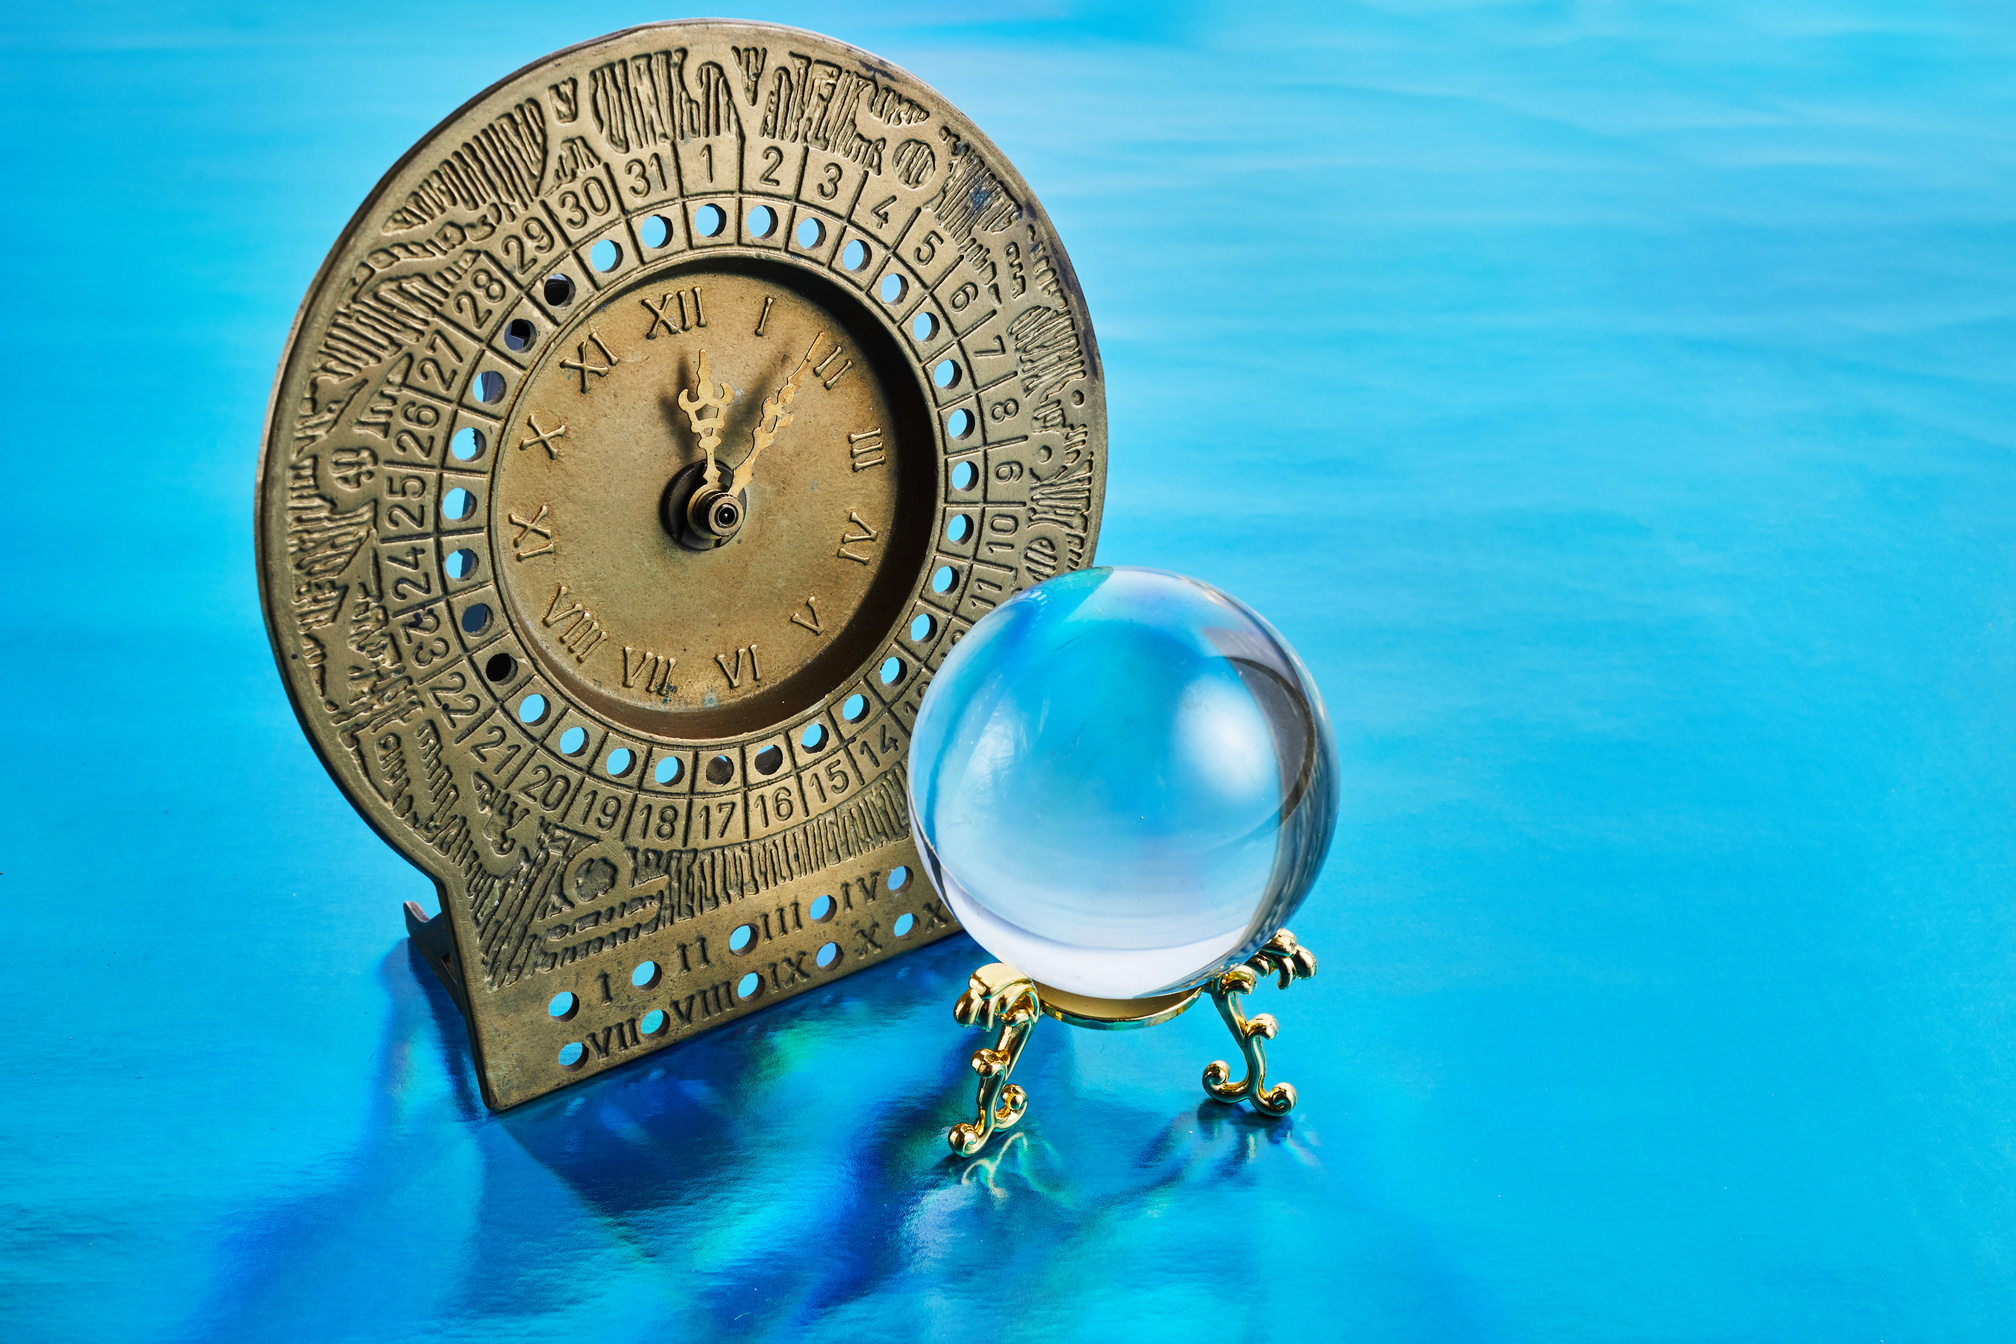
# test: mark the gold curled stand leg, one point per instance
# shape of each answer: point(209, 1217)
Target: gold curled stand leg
point(1292, 961)
point(996, 995)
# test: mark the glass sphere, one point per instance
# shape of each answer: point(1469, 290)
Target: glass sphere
point(1123, 781)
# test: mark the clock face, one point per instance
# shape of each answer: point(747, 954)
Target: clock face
point(648, 438)
point(736, 632)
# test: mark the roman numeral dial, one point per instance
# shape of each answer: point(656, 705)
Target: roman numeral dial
point(728, 472)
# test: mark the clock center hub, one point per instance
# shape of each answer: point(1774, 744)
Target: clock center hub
point(699, 516)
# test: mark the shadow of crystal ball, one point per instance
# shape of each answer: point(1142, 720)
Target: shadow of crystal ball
point(1123, 781)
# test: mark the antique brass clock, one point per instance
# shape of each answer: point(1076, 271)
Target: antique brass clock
point(646, 440)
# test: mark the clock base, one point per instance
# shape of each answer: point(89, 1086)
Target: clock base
point(667, 985)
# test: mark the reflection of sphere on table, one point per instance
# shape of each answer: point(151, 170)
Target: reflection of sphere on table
point(1124, 782)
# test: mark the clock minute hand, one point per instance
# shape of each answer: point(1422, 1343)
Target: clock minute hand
point(776, 415)
point(708, 428)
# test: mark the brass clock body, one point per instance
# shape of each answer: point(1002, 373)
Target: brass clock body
point(644, 443)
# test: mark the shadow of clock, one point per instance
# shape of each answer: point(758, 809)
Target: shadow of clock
point(811, 1140)
point(793, 1164)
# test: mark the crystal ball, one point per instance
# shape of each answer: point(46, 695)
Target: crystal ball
point(1123, 782)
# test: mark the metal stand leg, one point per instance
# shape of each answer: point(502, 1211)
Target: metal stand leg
point(1293, 962)
point(996, 994)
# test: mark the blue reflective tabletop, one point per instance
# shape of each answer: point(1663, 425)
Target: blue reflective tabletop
point(1611, 402)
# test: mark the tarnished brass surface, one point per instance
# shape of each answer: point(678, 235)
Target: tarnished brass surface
point(1000, 996)
point(644, 443)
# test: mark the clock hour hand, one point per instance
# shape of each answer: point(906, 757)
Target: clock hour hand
point(707, 427)
point(776, 415)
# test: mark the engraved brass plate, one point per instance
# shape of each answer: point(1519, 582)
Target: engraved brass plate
point(646, 440)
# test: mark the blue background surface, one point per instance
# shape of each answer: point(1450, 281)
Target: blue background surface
point(1610, 401)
